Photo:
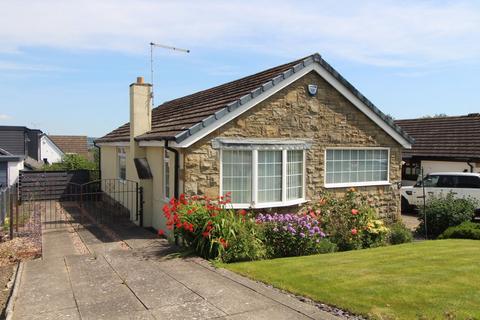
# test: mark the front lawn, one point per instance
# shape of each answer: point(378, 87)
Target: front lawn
point(424, 279)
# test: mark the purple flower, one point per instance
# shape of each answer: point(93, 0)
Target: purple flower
point(302, 235)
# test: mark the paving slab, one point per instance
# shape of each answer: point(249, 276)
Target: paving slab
point(277, 313)
point(187, 311)
point(44, 288)
point(56, 244)
point(68, 314)
point(97, 241)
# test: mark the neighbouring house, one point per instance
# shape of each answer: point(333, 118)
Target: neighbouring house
point(72, 144)
point(50, 152)
point(24, 148)
point(275, 139)
point(442, 144)
point(10, 166)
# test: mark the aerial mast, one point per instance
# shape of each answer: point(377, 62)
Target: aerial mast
point(157, 45)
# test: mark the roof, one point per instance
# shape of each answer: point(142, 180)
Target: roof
point(444, 137)
point(180, 118)
point(6, 156)
point(4, 152)
point(71, 144)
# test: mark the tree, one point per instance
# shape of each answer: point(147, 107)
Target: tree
point(71, 162)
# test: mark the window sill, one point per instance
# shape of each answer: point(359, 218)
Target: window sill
point(357, 184)
point(266, 204)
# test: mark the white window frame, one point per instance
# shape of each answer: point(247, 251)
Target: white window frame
point(121, 152)
point(254, 203)
point(356, 184)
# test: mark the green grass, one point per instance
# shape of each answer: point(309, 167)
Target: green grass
point(417, 280)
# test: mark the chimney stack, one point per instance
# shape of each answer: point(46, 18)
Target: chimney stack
point(140, 109)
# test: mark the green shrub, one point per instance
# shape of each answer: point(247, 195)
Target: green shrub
point(212, 231)
point(466, 230)
point(349, 221)
point(399, 233)
point(72, 162)
point(443, 212)
point(326, 246)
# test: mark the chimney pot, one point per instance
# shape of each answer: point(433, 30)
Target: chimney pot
point(139, 80)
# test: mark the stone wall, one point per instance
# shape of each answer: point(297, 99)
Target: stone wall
point(328, 119)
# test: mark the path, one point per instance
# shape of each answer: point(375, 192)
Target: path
point(134, 277)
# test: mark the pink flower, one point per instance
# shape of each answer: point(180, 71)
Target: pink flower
point(354, 231)
point(354, 211)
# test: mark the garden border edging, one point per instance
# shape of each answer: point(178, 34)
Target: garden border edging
point(13, 294)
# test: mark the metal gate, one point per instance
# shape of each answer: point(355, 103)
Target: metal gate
point(56, 204)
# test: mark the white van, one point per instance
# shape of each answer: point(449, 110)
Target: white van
point(461, 184)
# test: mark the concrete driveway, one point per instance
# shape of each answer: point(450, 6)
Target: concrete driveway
point(129, 274)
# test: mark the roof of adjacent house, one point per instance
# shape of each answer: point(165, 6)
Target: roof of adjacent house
point(180, 118)
point(444, 137)
point(71, 144)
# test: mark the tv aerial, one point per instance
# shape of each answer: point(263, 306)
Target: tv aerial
point(162, 46)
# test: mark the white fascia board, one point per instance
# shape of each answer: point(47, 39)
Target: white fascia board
point(361, 106)
point(245, 107)
point(113, 144)
point(325, 75)
point(53, 145)
point(152, 143)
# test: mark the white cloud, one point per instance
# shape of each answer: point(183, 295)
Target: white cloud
point(387, 33)
point(18, 66)
point(4, 117)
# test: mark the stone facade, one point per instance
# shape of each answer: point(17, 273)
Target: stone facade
point(328, 118)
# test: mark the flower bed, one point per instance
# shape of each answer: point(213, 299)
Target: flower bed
point(213, 231)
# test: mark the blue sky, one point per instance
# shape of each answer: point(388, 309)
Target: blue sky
point(65, 67)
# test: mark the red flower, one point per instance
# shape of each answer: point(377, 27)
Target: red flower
point(224, 243)
point(242, 212)
point(354, 231)
point(206, 234)
point(354, 211)
point(183, 200)
point(172, 201)
point(166, 209)
point(161, 233)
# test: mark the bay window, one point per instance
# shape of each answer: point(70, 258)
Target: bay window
point(356, 167)
point(237, 175)
point(263, 174)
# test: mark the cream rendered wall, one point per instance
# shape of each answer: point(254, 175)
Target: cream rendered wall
point(109, 164)
point(155, 161)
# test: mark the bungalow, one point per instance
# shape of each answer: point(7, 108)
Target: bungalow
point(442, 144)
point(274, 139)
